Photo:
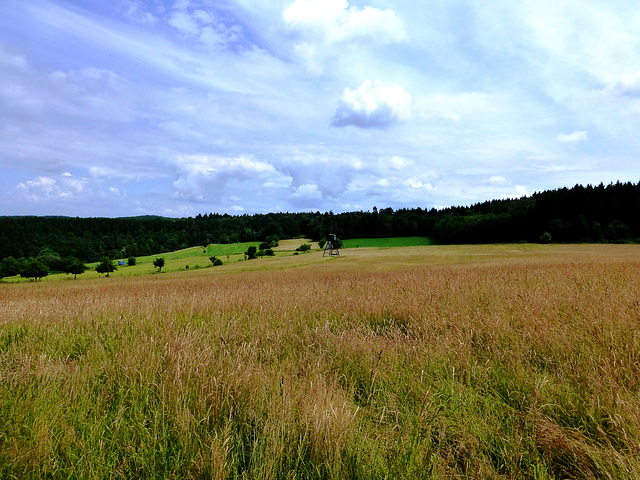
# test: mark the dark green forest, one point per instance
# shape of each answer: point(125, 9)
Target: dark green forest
point(603, 213)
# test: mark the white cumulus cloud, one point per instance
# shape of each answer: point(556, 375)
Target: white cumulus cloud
point(42, 184)
point(519, 191)
point(42, 189)
point(373, 105)
point(418, 184)
point(205, 177)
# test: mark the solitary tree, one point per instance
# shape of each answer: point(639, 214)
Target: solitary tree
point(34, 268)
point(131, 261)
point(251, 252)
point(215, 260)
point(159, 263)
point(106, 266)
point(74, 266)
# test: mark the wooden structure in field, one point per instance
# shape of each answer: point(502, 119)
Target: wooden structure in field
point(331, 247)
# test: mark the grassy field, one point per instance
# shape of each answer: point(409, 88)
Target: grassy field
point(507, 361)
point(386, 242)
point(180, 260)
point(221, 249)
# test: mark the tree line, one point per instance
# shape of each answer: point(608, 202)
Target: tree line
point(602, 213)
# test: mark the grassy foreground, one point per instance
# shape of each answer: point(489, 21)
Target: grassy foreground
point(419, 362)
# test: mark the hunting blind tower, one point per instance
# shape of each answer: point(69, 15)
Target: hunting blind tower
point(331, 246)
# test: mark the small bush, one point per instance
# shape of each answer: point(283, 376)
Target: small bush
point(159, 263)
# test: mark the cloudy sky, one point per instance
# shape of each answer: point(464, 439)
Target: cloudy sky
point(179, 107)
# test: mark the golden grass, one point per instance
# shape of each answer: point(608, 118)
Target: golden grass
point(424, 362)
point(292, 243)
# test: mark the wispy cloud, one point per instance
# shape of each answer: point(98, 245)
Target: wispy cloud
point(573, 137)
point(323, 25)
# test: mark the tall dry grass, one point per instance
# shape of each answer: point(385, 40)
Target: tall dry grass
point(436, 362)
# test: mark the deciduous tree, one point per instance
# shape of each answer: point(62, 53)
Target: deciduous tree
point(106, 266)
point(74, 266)
point(34, 268)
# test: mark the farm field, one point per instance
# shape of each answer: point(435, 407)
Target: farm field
point(386, 242)
point(494, 361)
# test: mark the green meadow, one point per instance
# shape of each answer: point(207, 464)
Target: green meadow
point(392, 242)
point(195, 258)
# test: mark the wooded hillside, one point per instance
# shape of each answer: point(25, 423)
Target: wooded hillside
point(579, 214)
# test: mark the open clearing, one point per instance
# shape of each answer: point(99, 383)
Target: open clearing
point(502, 361)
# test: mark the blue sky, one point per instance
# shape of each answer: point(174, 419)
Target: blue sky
point(180, 107)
